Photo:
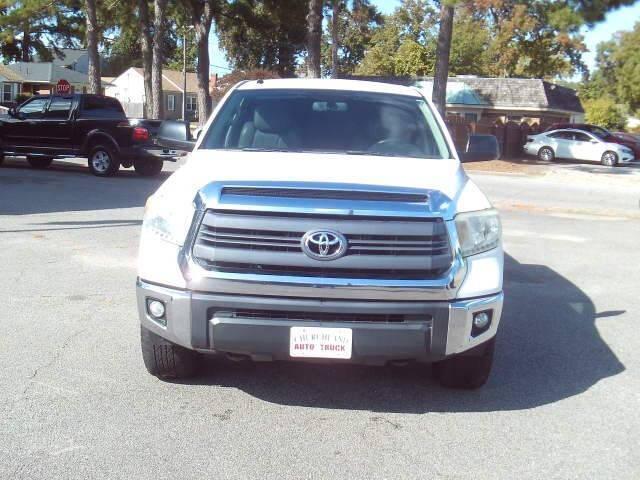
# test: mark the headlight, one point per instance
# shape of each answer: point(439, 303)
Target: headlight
point(170, 222)
point(478, 231)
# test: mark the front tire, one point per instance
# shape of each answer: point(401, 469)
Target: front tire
point(609, 159)
point(103, 161)
point(468, 371)
point(149, 167)
point(546, 154)
point(40, 163)
point(165, 359)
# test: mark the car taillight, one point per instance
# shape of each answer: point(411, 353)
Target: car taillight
point(140, 134)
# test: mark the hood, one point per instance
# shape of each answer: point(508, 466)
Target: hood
point(455, 192)
point(206, 166)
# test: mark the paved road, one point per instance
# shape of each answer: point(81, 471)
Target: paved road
point(76, 402)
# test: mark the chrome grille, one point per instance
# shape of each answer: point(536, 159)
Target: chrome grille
point(270, 244)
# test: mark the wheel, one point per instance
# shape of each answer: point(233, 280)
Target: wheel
point(103, 161)
point(165, 359)
point(40, 162)
point(609, 159)
point(468, 371)
point(546, 154)
point(149, 167)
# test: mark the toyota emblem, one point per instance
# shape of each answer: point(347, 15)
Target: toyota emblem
point(324, 244)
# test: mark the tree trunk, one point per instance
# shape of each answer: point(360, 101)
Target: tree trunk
point(146, 40)
point(92, 47)
point(204, 96)
point(26, 44)
point(160, 14)
point(314, 38)
point(335, 38)
point(443, 50)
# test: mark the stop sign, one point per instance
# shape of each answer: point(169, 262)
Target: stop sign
point(63, 86)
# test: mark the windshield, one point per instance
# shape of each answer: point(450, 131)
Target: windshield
point(600, 132)
point(329, 122)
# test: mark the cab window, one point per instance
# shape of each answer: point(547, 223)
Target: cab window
point(60, 107)
point(34, 108)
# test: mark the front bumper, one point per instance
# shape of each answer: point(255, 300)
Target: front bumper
point(201, 321)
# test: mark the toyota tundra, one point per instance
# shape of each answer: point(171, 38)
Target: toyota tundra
point(327, 221)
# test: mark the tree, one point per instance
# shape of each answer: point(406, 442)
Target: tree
point(314, 38)
point(353, 26)
point(202, 13)
point(617, 73)
point(443, 50)
point(92, 47)
point(604, 112)
point(42, 27)
point(146, 42)
point(157, 59)
point(264, 34)
point(336, 7)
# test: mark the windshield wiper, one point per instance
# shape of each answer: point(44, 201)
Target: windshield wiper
point(256, 149)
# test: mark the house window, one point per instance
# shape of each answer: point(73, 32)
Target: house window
point(471, 117)
point(171, 103)
point(7, 92)
point(191, 103)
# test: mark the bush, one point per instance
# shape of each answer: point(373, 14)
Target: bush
point(225, 83)
point(604, 112)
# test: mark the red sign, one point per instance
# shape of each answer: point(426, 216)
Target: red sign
point(63, 86)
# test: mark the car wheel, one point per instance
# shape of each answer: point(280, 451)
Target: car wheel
point(546, 154)
point(165, 359)
point(609, 159)
point(149, 167)
point(468, 371)
point(103, 161)
point(40, 162)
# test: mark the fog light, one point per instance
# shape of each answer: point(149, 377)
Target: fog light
point(481, 322)
point(156, 309)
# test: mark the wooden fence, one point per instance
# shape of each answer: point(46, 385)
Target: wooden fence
point(511, 135)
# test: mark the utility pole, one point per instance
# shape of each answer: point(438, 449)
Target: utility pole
point(184, 76)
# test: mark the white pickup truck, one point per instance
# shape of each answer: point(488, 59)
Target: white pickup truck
point(322, 220)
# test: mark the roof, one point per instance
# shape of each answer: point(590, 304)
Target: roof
point(508, 93)
point(329, 84)
point(172, 80)
point(69, 56)
point(516, 93)
point(47, 72)
point(9, 75)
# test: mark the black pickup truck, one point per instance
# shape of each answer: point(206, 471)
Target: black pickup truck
point(79, 125)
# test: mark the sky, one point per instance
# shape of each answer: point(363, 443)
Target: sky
point(617, 20)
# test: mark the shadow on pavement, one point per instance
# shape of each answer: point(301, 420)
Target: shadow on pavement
point(548, 350)
point(67, 186)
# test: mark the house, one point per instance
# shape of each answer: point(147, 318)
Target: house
point(128, 87)
point(41, 77)
point(531, 100)
point(9, 86)
point(76, 59)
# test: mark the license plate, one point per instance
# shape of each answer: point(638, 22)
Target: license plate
point(319, 342)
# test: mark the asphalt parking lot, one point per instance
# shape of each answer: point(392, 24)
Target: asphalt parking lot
point(76, 401)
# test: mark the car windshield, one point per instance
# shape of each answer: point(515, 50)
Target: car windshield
point(326, 121)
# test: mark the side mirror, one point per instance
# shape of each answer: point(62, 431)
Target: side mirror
point(196, 133)
point(12, 112)
point(175, 135)
point(481, 148)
